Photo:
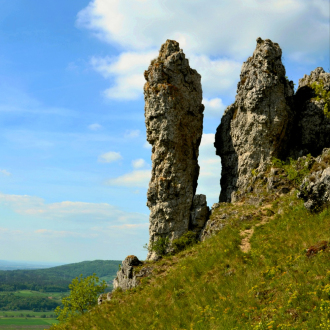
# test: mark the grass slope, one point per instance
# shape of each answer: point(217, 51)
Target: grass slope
point(214, 285)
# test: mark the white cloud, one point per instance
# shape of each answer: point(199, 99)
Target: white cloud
point(64, 233)
point(109, 157)
point(5, 172)
point(214, 108)
point(70, 211)
point(127, 72)
point(231, 30)
point(131, 226)
point(137, 178)
point(132, 133)
point(141, 27)
point(139, 163)
point(95, 127)
point(147, 145)
point(218, 75)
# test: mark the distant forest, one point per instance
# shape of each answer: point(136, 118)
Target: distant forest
point(56, 279)
point(11, 302)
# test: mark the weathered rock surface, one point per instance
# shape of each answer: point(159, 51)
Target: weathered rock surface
point(126, 277)
point(174, 122)
point(104, 297)
point(311, 131)
point(315, 188)
point(199, 214)
point(257, 126)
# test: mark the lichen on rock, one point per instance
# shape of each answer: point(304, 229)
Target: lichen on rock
point(174, 122)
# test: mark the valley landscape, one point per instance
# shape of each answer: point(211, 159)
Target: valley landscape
point(29, 297)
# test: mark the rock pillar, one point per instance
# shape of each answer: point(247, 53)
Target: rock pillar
point(174, 122)
point(256, 127)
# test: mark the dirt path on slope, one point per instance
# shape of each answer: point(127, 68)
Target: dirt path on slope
point(247, 233)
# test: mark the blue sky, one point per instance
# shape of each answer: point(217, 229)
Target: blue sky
point(74, 161)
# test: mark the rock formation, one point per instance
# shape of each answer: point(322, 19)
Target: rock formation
point(257, 126)
point(126, 278)
point(311, 132)
point(174, 122)
point(315, 188)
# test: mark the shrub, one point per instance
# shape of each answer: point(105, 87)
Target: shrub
point(160, 246)
point(83, 296)
point(296, 170)
point(181, 243)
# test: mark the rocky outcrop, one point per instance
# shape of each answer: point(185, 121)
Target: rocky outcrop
point(315, 188)
point(257, 126)
point(129, 276)
point(126, 276)
point(217, 222)
point(312, 127)
point(104, 297)
point(174, 122)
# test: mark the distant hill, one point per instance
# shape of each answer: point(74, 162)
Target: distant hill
point(56, 279)
point(13, 265)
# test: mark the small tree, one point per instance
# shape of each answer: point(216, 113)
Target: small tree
point(83, 296)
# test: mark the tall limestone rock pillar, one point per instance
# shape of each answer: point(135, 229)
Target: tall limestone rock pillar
point(174, 121)
point(256, 127)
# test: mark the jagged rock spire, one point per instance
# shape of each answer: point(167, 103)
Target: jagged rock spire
point(256, 127)
point(174, 122)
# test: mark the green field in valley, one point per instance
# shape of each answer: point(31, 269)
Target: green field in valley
point(26, 321)
point(26, 299)
point(30, 320)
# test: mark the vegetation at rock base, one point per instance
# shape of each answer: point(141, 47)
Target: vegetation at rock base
point(296, 170)
point(322, 94)
point(187, 239)
point(160, 246)
point(83, 296)
point(164, 247)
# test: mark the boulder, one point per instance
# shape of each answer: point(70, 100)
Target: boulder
point(257, 126)
point(104, 297)
point(174, 123)
point(126, 277)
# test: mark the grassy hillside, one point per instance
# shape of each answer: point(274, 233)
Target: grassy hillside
point(215, 285)
point(56, 278)
point(267, 268)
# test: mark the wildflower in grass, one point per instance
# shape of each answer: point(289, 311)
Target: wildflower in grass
point(325, 313)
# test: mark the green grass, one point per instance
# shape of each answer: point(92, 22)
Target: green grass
point(24, 293)
point(214, 285)
point(24, 312)
point(26, 321)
